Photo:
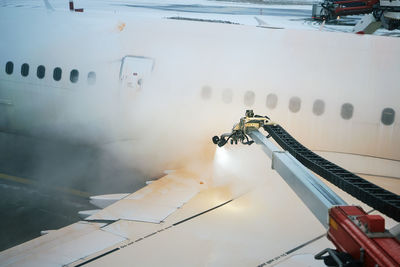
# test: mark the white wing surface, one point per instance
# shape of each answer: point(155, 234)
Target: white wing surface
point(154, 202)
point(244, 215)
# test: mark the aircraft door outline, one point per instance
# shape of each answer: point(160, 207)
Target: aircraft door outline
point(135, 70)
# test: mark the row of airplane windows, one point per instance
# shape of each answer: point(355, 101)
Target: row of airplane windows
point(346, 111)
point(57, 73)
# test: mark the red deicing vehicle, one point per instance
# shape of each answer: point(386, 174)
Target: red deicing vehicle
point(377, 13)
point(329, 10)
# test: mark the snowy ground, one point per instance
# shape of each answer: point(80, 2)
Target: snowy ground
point(284, 15)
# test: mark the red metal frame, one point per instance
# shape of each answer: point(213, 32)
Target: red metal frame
point(350, 238)
point(343, 11)
point(342, 8)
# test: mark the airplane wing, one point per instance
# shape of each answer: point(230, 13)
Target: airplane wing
point(236, 218)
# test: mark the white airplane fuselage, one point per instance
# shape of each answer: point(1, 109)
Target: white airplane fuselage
point(166, 87)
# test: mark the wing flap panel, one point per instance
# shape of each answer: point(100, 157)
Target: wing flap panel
point(59, 247)
point(154, 202)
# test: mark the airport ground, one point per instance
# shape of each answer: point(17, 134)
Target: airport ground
point(44, 183)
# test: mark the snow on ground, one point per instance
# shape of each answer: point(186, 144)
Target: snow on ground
point(284, 15)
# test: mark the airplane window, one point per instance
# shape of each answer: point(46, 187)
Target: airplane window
point(249, 98)
point(25, 69)
point(206, 92)
point(9, 67)
point(74, 76)
point(318, 107)
point(227, 96)
point(57, 73)
point(91, 78)
point(272, 101)
point(294, 104)
point(347, 111)
point(40, 71)
point(387, 117)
